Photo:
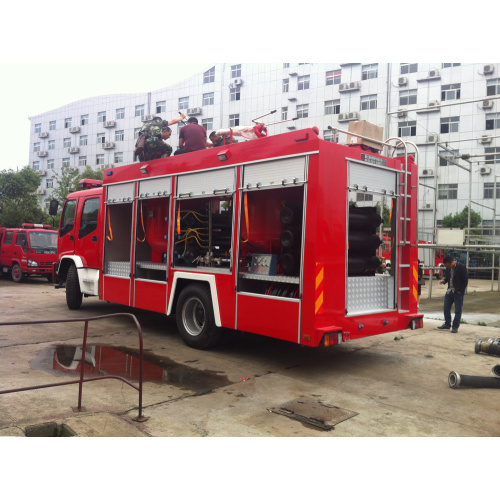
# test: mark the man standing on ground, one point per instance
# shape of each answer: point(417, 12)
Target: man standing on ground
point(192, 137)
point(457, 277)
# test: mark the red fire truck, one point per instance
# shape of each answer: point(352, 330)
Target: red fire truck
point(30, 250)
point(256, 236)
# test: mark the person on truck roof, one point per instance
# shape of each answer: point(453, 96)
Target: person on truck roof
point(192, 137)
point(156, 132)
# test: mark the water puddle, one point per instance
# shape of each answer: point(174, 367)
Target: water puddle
point(124, 362)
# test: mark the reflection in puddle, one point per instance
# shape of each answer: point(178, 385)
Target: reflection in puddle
point(124, 362)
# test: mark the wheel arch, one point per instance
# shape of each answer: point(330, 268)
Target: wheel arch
point(182, 279)
point(64, 264)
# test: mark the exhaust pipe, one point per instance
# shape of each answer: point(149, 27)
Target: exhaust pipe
point(496, 370)
point(490, 347)
point(456, 380)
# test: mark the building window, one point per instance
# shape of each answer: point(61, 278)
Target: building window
point(369, 102)
point(161, 106)
point(407, 97)
point(99, 159)
point(329, 136)
point(65, 162)
point(101, 138)
point(444, 156)
point(119, 135)
point(209, 75)
point(82, 161)
point(284, 113)
point(67, 122)
point(234, 94)
point(450, 92)
point(303, 82)
point(286, 65)
point(183, 102)
point(120, 113)
point(101, 116)
point(492, 121)
point(136, 132)
point(333, 77)
point(302, 110)
point(36, 147)
point(139, 110)
point(38, 128)
point(408, 68)
point(493, 87)
point(286, 84)
point(50, 183)
point(67, 142)
point(449, 124)
point(332, 107)
point(489, 190)
point(118, 158)
point(52, 145)
point(447, 191)
point(407, 129)
point(493, 156)
point(450, 65)
point(36, 165)
point(84, 119)
point(369, 71)
point(83, 140)
point(208, 123)
point(50, 164)
point(236, 71)
point(208, 99)
point(234, 120)
point(364, 197)
point(52, 125)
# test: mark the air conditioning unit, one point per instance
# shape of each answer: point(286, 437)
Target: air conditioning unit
point(40, 191)
point(237, 82)
point(427, 172)
point(343, 117)
point(292, 97)
point(74, 149)
point(485, 139)
point(401, 113)
point(43, 135)
point(433, 73)
point(488, 68)
point(432, 138)
point(343, 87)
point(402, 80)
point(108, 145)
point(487, 104)
point(110, 123)
point(354, 86)
point(194, 111)
point(74, 130)
point(427, 206)
point(42, 172)
point(72, 169)
point(485, 170)
point(433, 104)
point(41, 154)
point(147, 118)
point(353, 115)
point(106, 165)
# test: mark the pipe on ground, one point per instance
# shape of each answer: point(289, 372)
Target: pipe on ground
point(457, 380)
point(496, 370)
point(487, 347)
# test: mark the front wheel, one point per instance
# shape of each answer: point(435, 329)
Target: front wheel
point(17, 273)
point(195, 318)
point(73, 294)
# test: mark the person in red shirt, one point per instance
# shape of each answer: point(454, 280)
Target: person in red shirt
point(192, 137)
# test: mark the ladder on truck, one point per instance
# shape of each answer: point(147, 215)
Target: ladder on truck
point(404, 197)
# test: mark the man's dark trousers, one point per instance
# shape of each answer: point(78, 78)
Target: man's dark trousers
point(450, 299)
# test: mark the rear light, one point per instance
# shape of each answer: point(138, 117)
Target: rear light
point(332, 339)
point(417, 323)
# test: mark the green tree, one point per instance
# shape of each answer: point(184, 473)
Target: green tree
point(65, 180)
point(88, 173)
point(18, 199)
point(387, 214)
point(460, 219)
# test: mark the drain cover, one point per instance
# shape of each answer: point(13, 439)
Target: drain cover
point(313, 412)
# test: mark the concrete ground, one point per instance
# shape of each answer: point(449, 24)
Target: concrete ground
point(397, 383)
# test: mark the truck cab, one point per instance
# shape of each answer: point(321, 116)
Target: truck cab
point(30, 250)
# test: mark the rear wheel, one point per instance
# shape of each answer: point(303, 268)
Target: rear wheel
point(73, 294)
point(17, 273)
point(195, 318)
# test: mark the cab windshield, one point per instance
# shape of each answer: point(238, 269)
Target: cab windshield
point(43, 239)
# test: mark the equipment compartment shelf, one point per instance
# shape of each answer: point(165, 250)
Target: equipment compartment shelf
point(265, 277)
point(157, 266)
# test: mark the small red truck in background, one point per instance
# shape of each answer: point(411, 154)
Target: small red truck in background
point(29, 250)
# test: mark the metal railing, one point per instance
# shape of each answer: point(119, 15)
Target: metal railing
point(82, 380)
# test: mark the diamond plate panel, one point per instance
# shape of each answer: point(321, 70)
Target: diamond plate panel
point(273, 173)
point(118, 269)
point(369, 294)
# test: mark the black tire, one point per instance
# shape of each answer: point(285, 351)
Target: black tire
point(17, 273)
point(195, 318)
point(73, 294)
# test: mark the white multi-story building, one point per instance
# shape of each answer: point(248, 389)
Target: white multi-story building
point(446, 109)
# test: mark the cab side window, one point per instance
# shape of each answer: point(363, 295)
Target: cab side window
point(88, 222)
point(9, 237)
point(22, 241)
point(68, 218)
